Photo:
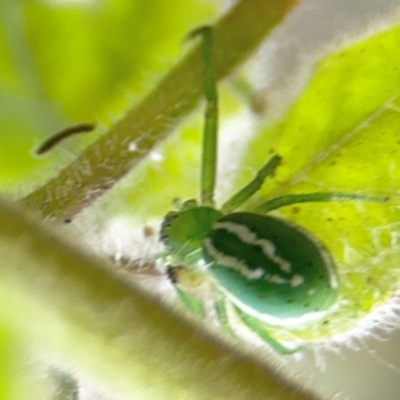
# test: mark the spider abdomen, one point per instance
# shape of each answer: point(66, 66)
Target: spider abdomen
point(270, 266)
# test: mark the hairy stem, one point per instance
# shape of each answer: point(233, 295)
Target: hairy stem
point(71, 306)
point(103, 163)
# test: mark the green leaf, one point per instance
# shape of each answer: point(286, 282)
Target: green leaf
point(69, 62)
point(342, 134)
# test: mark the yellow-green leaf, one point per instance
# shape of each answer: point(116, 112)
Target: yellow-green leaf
point(342, 134)
point(64, 63)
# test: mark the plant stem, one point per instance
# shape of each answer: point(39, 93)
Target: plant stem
point(69, 305)
point(131, 139)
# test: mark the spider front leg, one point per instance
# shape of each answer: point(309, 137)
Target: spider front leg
point(253, 186)
point(268, 169)
point(210, 131)
point(241, 196)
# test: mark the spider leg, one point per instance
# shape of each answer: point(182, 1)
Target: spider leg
point(210, 137)
point(190, 302)
point(290, 199)
point(260, 329)
point(221, 312)
point(253, 186)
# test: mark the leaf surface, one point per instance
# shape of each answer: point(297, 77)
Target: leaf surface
point(342, 134)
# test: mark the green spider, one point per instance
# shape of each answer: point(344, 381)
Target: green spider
point(263, 266)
